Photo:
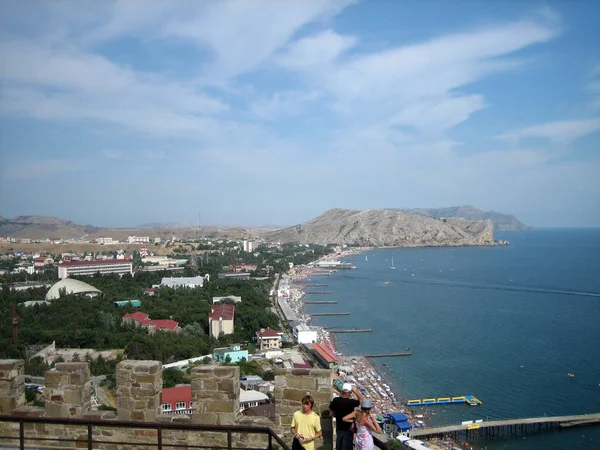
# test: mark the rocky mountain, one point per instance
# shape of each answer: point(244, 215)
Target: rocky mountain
point(383, 227)
point(42, 227)
point(502, 222)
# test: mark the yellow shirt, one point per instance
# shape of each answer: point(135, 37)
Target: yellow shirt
point(308, 425)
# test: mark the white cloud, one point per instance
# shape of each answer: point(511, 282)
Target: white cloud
point(316, 51)
point(244, 34)
point(283, 103)
point(561, 132)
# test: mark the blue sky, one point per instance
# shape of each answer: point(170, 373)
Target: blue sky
point(119, 113)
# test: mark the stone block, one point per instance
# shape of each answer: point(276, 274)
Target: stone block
point(219, 407)
point(294, 394)
point(207, 418)
point(306, 383)
point(227, 418)
point(227, 372)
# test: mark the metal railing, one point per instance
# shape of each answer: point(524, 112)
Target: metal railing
point(158, 429)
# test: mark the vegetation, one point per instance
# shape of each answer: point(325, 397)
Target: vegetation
point(79, 322)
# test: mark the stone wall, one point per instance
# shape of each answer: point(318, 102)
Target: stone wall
point(215, 401)
point(68, 390)
point(12, 384)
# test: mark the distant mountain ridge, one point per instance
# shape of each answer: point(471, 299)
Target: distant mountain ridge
point(383, 227)
point(502, 222)
point(44, 227)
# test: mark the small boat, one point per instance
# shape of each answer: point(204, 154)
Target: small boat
point(386, 282)
point(392, 267)
point(571, 374)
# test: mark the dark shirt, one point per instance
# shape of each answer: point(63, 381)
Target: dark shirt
point(342, 407)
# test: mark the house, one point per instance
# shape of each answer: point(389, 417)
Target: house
point(233, 351)
point(220, 320)
point(250, 399)
point(267, 339)
point(177, 400)
point(42, 261)
point(143, 320)
point(242, 267)
point(250, 382)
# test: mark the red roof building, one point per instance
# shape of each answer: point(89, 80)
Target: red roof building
point(177, 400)
point(268, 339)
point(324, 355)
point(143, 320)
point(220, 320)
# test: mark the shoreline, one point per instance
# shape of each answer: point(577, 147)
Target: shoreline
point(375, 385)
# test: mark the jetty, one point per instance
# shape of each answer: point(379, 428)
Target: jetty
point(350, 330)
point(384, 355)
point(316, 285)
point(332, 302)
point(468, 399)
point(480, 429)
point(317, 292)
point(331, 314)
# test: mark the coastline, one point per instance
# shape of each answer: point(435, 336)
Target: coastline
point(364, 374)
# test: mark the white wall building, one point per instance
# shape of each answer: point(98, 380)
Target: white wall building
point(248, 245)
point(92, 267)
point(304, 334)
point(138, 239)
point(105, 240)
point(188, 282)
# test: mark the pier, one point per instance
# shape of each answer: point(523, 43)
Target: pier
point(331, 314)
point(468, 399)
point(321, 303)
point(351, 330)
point(316, 285)
point(384, 355)
point(480, 429)
point(318, 292)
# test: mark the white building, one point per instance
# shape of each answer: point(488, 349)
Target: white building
point(105, 240)
point(248, 245)
point(188, 282)
point(121, 267)
point(138, 239)
point(234, 298)
point(304, 334)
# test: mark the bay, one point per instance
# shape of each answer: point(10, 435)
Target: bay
point(506, 324)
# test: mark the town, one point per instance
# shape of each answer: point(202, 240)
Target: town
point(182, 302)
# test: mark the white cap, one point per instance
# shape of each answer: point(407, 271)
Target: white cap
point(346, 387)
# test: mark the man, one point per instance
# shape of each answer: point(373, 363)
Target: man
point(306, 426)
point(342, 406)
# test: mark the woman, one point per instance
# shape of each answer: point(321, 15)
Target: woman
point(366, 425)
point(306, 426)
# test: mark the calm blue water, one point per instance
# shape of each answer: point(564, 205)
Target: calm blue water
point(473, 316)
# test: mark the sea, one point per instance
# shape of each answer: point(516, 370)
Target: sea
point(507, 324)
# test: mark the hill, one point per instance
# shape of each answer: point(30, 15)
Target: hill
point(383, 227)
point(502, 222)
point(42, 227)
